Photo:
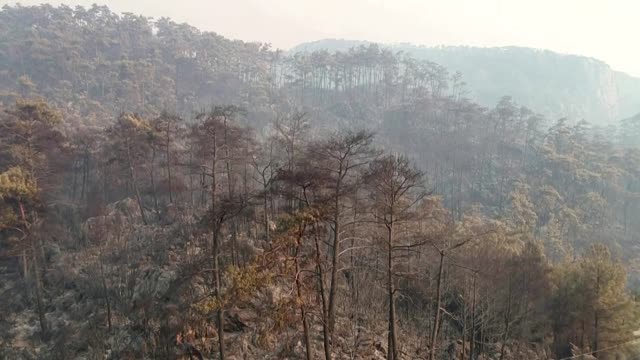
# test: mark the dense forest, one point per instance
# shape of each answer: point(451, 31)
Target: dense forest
point(166, 193)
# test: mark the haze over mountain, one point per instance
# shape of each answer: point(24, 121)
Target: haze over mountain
point(169, 193)
point(556, 85)
point(600, 29)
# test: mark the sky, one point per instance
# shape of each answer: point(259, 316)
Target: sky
point(603, 29)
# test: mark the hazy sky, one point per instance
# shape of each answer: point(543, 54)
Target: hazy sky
point(604, 29)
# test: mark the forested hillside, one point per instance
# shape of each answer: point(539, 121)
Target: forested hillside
point(166, 193)
point(94, 63)
point(556, 85)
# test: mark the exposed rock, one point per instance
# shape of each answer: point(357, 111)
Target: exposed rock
point(154, 284)
point(116, 215)
point(232, 323)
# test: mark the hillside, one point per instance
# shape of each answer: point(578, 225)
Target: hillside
point(553, 84)
point(167, 193)
point(94, 63)
point(630, 135)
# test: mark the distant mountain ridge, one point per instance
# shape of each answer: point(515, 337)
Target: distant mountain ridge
point(555, 85)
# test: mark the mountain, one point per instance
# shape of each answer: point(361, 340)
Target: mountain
point(556, 85)
point(166, 193)
point(93, 62)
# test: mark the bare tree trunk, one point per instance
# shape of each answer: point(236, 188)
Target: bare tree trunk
point(303, 314)
point(464, 318)
point(596, 329)
point(105, 290)
point(473, 319)
point(216, 255)
point(325, 328)
point(393, 340)
point(217, 295)
point(507, 322)
point(25, 265)
point(334, 259)
point(74, 185)
point(191, 192)
point(134, 181)
point(36, 270)
point(266, 212)
point(234, 227)
point(436, 321)
point(168, 157)
point(153, 180)
point(85, 174)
